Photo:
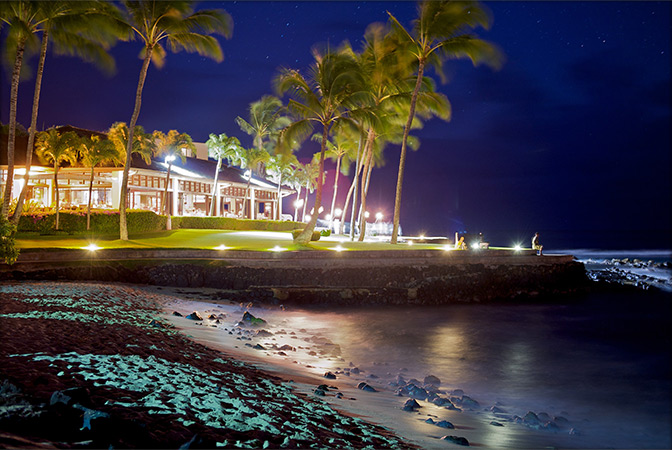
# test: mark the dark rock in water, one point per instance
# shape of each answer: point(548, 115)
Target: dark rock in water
point(531, 420)
point(263, 333)
point(287, 347)
point(258, 347)
point(411, 390)
point(212, 317)
point(75, 395)
point(372, 376)
point(177, 314)
point(430, 421)
point(320, 392)
point(497, 410)
point(468, 402)
point(457, 392)
point(411, 405)
point(194, 316)
point(551, 426)
point(355, 370)
point(459, 440)
point(91, 415)
point(496, 424)
point(445, 424)
point(339, 395)
point(329, 376)
point(441, 401)
point(543, 417)
point(249, 320)
point(365, 387)
point(432, 380)
point(561, 421)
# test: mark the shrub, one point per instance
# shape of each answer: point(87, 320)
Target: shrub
point(102, 222)
point(314, 237)
point(8, 250)
point(325, 233)
point(230, 223)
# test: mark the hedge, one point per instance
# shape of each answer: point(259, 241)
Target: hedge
point(107, 222)
point(103, 222)
point(230, 223)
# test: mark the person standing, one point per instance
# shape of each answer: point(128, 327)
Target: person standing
point(536, 244)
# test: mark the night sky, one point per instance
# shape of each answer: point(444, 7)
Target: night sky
point(570, 138)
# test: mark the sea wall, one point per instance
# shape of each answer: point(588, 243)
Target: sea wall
point(315, 277)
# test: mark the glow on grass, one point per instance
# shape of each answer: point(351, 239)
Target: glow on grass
point(410, 243)
point(448, 247)
point(277, 248)
point(517, 247)
point(91, 247)
point(222, 247)
point(339, 248)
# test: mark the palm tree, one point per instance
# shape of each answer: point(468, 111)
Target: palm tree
point(266, 120)
point(221, 147)
point(325, 98)
point(55, 148)
point(20, 17)
point(281, 166)
point(143, 143)
point(170, 147)
point(252, 159)
point(173, 21)
point(95, 151)
point(83, 29)
point(441, 31)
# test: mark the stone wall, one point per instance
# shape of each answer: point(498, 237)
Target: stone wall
point(314, 280)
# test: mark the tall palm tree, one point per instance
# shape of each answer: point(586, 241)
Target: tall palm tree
point(95, 151)
point(143, 144)
point(20, 17)
point(55, 148)
point(325, 98)
point(252, 159)
point(442, 30)
point(221, 147)
point(266, 120)
point(175, 22)
point(86, 29)
point(170, 146)
point(281, 166)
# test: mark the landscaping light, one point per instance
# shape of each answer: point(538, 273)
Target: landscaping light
point(448, 247)
point(517, 247)
point(338, 248)
point(222, 247)
point(475, 246)
point(91, 247)
point(410, 243)
point(422, 237)
point(277, 248)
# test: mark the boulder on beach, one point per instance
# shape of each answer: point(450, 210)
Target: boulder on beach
point(468, 402)
point(194, 316)
point(177, 314)
point(329, 376)
point(432, 381)
point(442, 401)
point(263, 333)
point(445, 424)
point(411, 405)
point(459, 440)
point(366, 387)
point(249, 320)
point(413, 391)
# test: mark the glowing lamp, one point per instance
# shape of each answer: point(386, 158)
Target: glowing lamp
point(91, 247)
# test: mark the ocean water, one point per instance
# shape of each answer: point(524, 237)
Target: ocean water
point(602, 361)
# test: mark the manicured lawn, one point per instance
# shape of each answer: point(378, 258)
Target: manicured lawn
point(209, 239)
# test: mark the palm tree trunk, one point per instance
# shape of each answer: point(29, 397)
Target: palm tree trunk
point(278, 210)
point(296, 203)
point(56, 192)
point(305, 203)
point(164, 200)
point(402, 157)
point(352, 190)
point(13, 100)
point(248, 198)
point(307, 233)
point(123, 226)
point(88, 205)
point(367, 148)
point(365, 185)
point(215, 197)
point(33, 126)
point(333, 198)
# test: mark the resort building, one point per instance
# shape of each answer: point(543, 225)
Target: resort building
point(190, 187)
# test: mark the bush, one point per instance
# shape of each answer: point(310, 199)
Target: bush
point(102, 222)
point(314, 237)
point(325, 233)
point(8, 250)
point(230, 223)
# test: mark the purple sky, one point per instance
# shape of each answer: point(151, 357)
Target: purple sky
point(571, 138)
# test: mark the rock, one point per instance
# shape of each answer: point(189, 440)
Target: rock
point(543, 417)
point(411, 390)
point(468, 402)
point(329, 376)
point(212, 317)
point(496, 424)
point(372, 376)
point(177, 314)
point(339, 395)
point(287, 347)
point(263, 333)
point(459, 440)
point(156, 324)
point(457, 392)
point(432, 380)
point(90, 415)
point(258, 347)
point(497, 410)
point(442, 401)
point(551, 426)
point(355, 370)
point(561, 421)
point(411, 405)
point(366, 387)
point(249, 320)
point(320, 392)
point(445, 424)
point(531, 420)
point(194, 316)
point(430, 421)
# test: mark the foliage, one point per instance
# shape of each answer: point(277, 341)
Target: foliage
point(230, 223)
point(143, 143)
point(102, 221)
point(8, 250)
point(315, 236)
point(325, 233)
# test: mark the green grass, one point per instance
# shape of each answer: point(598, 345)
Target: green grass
point(209, 239)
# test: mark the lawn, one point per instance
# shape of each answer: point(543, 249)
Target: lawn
point(210, 239)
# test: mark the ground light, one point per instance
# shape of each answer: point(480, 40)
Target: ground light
point(448, 247)
point(277, 248)
point(91, 247)
point(222, 247)
point(517, 247)
point(410, 243)
point(339, 248)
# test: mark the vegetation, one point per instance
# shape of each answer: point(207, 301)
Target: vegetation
point(8, 250)
point(221, 147)
point(170, 147)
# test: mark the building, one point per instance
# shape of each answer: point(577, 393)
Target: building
point(190, 187)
